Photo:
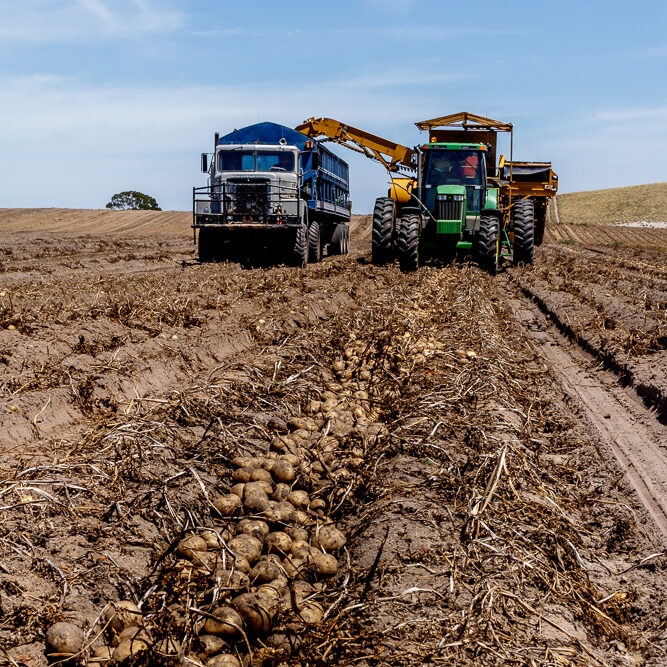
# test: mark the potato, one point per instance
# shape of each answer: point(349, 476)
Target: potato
point(190, 544)
point(317, 504)
point(311, 612)
point(243, 474)
point(324, 565)
point(281, 491)
point(238, 489)
point(254, 527)
point(103, 652)
point(261, 475)
point(134, 632)
point(299, 499)
point(300, 549)
point(255, 498)
point(301, 518)
point(241, 564)
point(168, 652)
point(128, 651)
point(282, 513)
point(273, 590)
point(278, 542)
point(246, 546)
point(227, 622)
point(278, 444)
point(287, 642)
point(62, 640)
point(290, 458)
point(330, 538)
point(294, 567)
point(242, 461)
point(267, 486)
point(255, 611)
point(265, 571)
point(298, 423)
point(277, 424)
point(298, 533)
point(233, 579)
point(283, 472)
point(213, 538)
point(119, 615)
point(224, 660)
point(207, 645)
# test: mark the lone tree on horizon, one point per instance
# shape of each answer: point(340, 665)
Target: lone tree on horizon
point(131, 200)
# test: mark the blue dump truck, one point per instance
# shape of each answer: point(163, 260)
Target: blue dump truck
point(272, 187)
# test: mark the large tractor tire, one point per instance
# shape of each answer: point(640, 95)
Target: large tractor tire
point(314, 242)
point(384, 220)
point(300, 248)
point(523, 223)
point(487, 245)
point(408, 242)
point(207, 244)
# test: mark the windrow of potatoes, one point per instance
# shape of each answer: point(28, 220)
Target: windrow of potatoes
point(259, 574)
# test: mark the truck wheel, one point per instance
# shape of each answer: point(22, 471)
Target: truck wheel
point(487, 243)
point(408, 242)
point(314, 243)
point(300, 249)
point(384, 219)
point(346, 240)
point(523, 219)
point(206, 244)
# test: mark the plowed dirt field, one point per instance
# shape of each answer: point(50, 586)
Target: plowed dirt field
point(494, 451)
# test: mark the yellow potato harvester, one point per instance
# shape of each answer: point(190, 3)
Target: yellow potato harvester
point(451, 193)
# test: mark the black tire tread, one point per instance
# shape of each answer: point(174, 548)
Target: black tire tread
point(384, 215)
point(408, 242)
point(523, 218)
point(300, 249)
point(314, 243)
point(486, 245)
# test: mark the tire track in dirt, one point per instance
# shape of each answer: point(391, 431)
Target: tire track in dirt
point(631, 434)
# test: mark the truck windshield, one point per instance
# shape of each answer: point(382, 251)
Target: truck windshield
point(449, 167)
point(255, 161)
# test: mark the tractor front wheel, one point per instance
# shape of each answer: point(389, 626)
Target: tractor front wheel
point(408, 242)
point(523, 222)
point(384, 218)
point(488, 243)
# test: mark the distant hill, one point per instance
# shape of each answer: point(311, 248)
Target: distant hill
point(637, 203)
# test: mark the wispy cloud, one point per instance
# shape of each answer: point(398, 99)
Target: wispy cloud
point(67, 21)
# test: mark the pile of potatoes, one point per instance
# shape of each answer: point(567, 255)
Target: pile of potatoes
point(265, 561)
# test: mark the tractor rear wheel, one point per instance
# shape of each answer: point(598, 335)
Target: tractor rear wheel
point(314, 243)
point(487, 244)
point(384, 220)
point(523, 222)
point(408, 242)
point(300, 248)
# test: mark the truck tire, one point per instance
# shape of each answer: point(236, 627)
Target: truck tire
point(314, 242)
point(384, 220)
point(523, 223)
point(346, 240)
point(300, 248)
point(206, 244)
point(408, 242)
point(487, 245)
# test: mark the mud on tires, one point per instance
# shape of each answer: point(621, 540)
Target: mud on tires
point(486, 243)
point(340, 240)
point(523, 223)
point(384, 219)
point(408, 242)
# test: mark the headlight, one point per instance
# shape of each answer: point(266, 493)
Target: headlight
point(207, 209)
point(450, 197)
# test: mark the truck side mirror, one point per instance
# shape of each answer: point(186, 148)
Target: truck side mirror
point(315, 161)
point(204, 162)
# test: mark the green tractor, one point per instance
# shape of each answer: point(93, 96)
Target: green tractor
point(460, 200)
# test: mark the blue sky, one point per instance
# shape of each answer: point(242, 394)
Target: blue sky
point(100, 96)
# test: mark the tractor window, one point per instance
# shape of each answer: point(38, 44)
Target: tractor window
point(450, 167)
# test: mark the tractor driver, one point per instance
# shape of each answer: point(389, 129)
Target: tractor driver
point(447, 167)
